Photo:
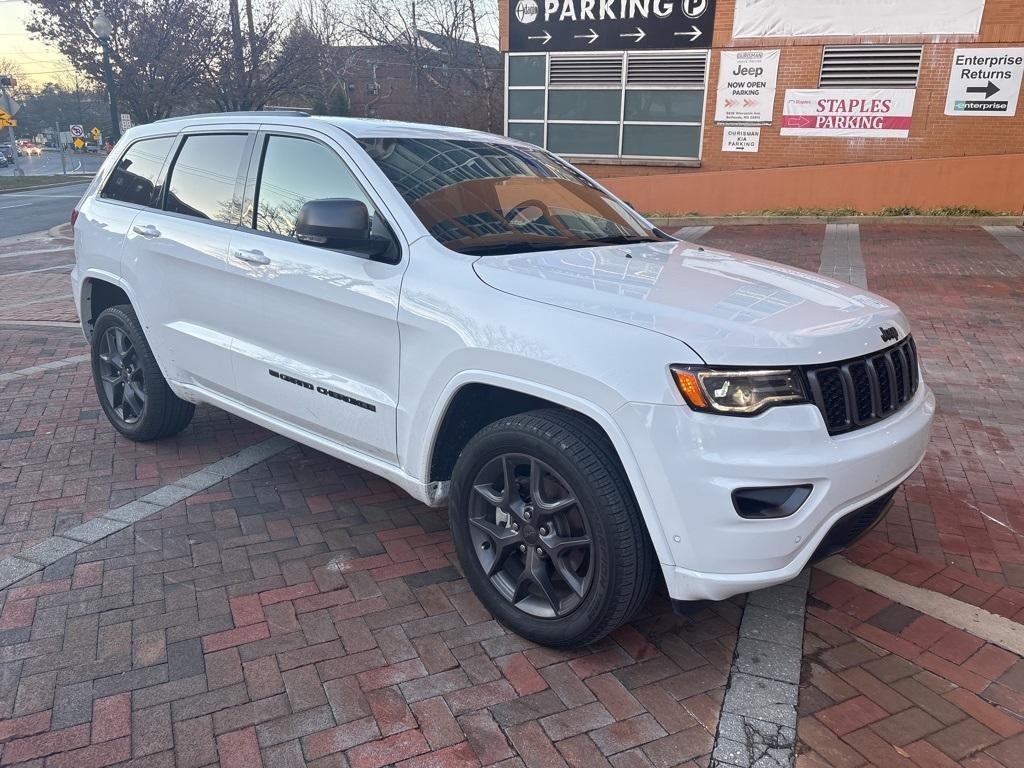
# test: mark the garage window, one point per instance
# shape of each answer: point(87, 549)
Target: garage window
point(609, 105)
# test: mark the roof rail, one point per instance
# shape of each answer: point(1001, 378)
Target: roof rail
point(251, 113)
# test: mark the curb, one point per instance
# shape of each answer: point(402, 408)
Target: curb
point(939, 221)
point(78, 180)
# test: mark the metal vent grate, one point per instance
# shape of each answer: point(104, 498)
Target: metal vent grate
point(686, 68)
point(870, 66)
point(586, 70)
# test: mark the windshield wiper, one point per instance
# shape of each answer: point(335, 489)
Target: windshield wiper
point(623, 240)
point(516, 246)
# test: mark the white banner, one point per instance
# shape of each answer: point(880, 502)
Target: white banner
point(849, 112)
point(820, 18)
point(746, 86)
point(741, 139)
point(985, 82)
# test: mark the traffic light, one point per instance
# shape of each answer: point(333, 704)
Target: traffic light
point(6, 81)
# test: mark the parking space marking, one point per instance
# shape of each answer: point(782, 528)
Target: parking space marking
point(51, 549)
point(988, 626)
point(34, 271)
point(42, 368)
point(693, 234)
point(1011, 238)
point(841, 255)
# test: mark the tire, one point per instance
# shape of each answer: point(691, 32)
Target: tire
point(139, 404)
point(590, 589)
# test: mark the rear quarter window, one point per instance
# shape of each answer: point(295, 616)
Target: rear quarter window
point(135, 176)
point(203, 181)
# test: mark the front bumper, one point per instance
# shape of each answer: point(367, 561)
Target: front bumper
point(691, 463)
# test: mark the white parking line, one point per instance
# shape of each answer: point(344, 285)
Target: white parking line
point(981, 623)
point(19, 205)
point(16, 567)
point(42, 368)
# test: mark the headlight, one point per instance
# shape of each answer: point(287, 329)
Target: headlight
point(739, 393)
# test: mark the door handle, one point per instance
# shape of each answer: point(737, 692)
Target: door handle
point(146, 230)
point(252, 256)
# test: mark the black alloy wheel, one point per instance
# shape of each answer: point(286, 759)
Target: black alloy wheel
point(531, 535)
point(122, 378)
point(547, 529)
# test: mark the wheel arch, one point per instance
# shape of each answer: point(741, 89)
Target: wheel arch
point(477, 399)
point(100, 293)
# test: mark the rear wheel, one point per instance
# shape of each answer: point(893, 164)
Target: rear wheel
point(132, 391)
point(547, 530)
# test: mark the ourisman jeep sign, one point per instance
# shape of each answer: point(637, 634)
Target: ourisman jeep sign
point(610, 25)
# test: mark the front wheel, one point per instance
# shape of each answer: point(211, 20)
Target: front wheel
point(132, 390)
point(547, 530)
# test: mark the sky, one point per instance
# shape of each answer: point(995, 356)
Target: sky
point(40, 62)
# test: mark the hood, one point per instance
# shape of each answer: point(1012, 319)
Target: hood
point(730, 309)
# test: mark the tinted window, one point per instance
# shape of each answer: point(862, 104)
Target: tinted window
point(489, 198)
point(134, 178)
point(296, 171)
point(202, 181)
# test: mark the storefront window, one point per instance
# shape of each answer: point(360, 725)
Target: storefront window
point(613, 105)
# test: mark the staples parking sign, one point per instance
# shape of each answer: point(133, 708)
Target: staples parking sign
point(883, 113)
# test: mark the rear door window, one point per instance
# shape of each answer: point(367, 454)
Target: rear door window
point(135, 176)
point(204, 180)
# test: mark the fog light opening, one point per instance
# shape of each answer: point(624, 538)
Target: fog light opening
point(770, 503)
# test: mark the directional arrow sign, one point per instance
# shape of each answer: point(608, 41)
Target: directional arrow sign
point(609, 25)
point(985, 82)
point(693, 34)
point(989, 90)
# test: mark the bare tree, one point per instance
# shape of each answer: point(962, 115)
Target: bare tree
point(158, 48)
point(270, 58)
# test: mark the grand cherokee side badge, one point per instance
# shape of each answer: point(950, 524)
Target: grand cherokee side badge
point(890, 333)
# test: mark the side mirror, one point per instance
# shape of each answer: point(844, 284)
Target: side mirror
point(339, 223)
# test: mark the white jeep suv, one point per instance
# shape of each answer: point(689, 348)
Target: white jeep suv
point(473, 319)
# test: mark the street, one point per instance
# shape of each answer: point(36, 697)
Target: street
point(48, 164)
point(38, 209)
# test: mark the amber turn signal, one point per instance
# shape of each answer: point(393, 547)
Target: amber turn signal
point(690, 387)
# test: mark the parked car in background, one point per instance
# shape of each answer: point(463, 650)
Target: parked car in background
point(7, 151)
point(3, 160)
point(601, 405)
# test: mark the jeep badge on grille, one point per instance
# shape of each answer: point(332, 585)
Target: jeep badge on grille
point(890, 333)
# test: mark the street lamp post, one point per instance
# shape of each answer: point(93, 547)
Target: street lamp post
point(102, 27)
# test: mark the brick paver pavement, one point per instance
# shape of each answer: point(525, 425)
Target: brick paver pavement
point(305, 612)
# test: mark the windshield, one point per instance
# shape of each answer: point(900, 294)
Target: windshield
point(484, 198)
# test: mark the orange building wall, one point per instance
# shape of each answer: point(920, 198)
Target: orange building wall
point(933, 135)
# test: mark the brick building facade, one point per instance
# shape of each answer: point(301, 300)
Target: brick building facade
point(945, 160)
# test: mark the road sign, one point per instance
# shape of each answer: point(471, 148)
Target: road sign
point(79, 142)
point(95, 133)
point(126, 121)
point(985, 82)
point(605, 25)
point(77, 131)
point(8, 122)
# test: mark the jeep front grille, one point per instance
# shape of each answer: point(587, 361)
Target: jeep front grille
point(855, 393)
